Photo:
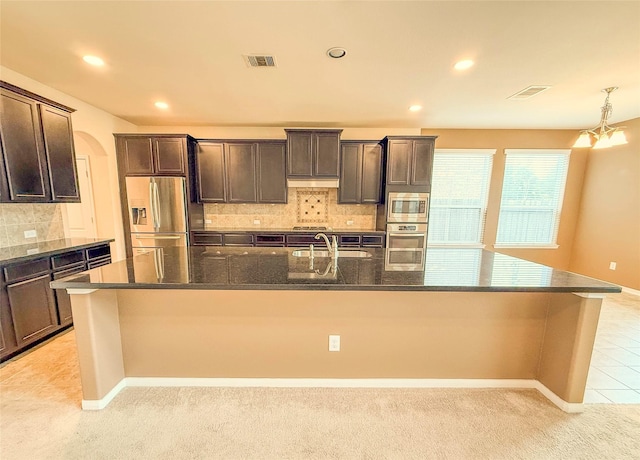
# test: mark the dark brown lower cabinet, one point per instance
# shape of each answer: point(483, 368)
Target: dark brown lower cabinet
point(33, 308)
point(30, 310)
point(63, 300)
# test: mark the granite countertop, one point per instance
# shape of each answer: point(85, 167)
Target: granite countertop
point(201, 267)
point(24, 252)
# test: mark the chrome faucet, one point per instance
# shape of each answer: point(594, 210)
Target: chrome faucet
point(332, 247)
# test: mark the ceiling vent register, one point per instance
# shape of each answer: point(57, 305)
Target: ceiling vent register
point(259, 60)
point(529, 92)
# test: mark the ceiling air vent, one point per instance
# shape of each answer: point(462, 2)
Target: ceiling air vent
point(259, 60)
point(529, 92)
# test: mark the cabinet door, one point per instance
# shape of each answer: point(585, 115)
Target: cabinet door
point(63, 299)
point(350, 174)
point(211, 173)
point(421, 162)
point(138, 156)
point(241, 173)
point(58, 143)
point(299, 151)
point(32, 309)
point(169, 156)
point(24, 156)
point(398, 162)
point(272, 173)
point(326, 154)
point(371, 184)
point(7, 333)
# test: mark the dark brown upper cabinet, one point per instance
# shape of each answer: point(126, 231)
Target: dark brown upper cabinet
point(211, 172)
point(241, 172)
point(36, 149)
point(152, 155)
point(272, 174)
point(313, 153)
point(410, 160)
point(241, 178)
point(58, 143)
point(360, 173)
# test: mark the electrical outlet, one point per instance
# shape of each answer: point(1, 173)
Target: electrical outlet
point(612, 265)
point(256, 222)
point(207, 221)
point(334, 343)
point(349, 222)
point(30, 234)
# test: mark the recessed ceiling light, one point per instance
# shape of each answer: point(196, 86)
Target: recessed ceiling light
point(93, 60)
point(336, 52)
point(162, 105)
point(415, 108)
point(464, 64)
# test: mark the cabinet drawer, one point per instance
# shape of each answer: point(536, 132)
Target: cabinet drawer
point(98, 252)
point(302, 240)
point(238, 239)
point(26, 269)
point(270, 240)
point(206, 239)
point(349, 240)
point(98, 262)
point(372, 241)
point(67, 259)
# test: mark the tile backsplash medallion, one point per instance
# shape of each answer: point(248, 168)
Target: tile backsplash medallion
point(16, 218)
point(305, 206)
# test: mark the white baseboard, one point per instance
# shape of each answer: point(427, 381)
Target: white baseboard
point(331, 383)
point(631, 291)
point(98, 404)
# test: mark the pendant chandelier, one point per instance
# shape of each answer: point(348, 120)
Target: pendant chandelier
point(604, 135)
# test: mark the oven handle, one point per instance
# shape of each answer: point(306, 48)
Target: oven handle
point(406, 233)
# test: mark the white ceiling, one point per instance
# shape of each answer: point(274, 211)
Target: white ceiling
point(399, 53)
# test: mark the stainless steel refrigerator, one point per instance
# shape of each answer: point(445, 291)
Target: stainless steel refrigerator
point(157, 209)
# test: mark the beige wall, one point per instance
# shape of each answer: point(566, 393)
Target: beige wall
point(93, 132)
point(608, 226)
point(501, 139)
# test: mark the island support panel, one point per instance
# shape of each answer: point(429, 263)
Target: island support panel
point(283, 334)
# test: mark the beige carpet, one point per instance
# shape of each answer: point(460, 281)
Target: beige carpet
point(282, 423)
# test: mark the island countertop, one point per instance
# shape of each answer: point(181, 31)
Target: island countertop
point(251, 268)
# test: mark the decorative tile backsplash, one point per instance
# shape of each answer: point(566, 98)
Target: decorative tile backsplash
point(296, 212)
point(17, 218)
point(312, 206)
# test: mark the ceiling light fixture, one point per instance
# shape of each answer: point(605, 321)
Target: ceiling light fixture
point(605, 135)
point(162, 105)
point(415, 108)
point(336, 52)
point(93, 60)
point(463, 65)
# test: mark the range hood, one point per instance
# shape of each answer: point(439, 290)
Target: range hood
point(313, 183)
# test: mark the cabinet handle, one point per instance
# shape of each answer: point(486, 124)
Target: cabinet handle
point(28, 280)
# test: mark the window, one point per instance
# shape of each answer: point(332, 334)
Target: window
point(532, 194)
point(459, 192)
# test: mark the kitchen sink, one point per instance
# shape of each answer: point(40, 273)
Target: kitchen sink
point(342, 253)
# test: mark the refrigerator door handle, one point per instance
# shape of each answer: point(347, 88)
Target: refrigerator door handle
point(152, 204)
point(157, 205)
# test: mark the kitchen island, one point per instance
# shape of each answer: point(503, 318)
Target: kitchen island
point(212, 316)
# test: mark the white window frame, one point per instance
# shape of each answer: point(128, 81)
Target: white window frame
point(557, 210)
point(483, 207)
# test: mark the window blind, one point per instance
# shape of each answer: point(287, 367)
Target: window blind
point(532, 193)
point(459, 193)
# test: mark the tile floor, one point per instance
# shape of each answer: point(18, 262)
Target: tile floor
point(614, 375)
point(51, 370)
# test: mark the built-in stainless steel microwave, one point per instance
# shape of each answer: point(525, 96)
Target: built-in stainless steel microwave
point(407, 207)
